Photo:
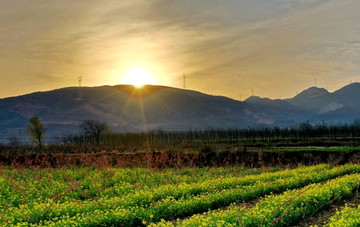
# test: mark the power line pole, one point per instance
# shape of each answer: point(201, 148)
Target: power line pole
point(184, 82)
point(79, 98)
point(79, 79)
point(315, 82)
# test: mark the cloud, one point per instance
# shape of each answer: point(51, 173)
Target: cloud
point(226, 47)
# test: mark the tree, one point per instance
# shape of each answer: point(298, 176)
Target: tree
point(94, 129)
point(36, 131)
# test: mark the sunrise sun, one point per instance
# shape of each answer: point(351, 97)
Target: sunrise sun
point(138, 77)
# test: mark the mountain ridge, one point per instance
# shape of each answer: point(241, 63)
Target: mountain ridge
point(123, 108)
point(128, 109)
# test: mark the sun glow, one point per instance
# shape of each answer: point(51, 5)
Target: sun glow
point(138, 77)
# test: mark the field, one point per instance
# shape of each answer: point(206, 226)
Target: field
point(224, 196)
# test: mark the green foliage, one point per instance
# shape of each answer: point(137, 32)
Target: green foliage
point(348, 216)
point(278, 210)
point(29, 193)
point(137, 197)
point(36, 131)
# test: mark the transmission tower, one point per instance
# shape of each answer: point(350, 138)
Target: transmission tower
point(79, 98)
point(184, 82)
point(79, 79)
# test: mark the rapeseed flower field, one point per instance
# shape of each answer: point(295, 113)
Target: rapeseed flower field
point(176, 197)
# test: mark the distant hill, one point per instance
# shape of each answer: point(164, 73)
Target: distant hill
point(123, 108)
point(128, 109)
point(349, 95)
point(317, 100)
point(340, 106)
point(281, 112)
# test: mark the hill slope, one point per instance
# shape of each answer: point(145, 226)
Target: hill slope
point(123, 108)
point(280, 111)
point(340, 106)
point(126, 108)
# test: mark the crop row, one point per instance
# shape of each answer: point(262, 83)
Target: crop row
point(348, 216)
point(169, 207)
point(144, 196)
point(31, 186)
point(277, 210)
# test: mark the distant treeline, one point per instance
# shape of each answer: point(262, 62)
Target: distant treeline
point(159, 137)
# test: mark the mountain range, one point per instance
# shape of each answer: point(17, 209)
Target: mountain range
point(126, 108)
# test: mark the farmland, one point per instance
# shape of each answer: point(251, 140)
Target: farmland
point(224, 196)
point(180, 113)
point(196, 178)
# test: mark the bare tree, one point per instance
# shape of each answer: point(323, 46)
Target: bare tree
point(94, 129)
point(36, 131)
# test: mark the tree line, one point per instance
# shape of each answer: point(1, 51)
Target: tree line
point(305, 130)
point(94, 132)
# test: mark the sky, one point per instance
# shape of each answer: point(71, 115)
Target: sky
point(225, 47)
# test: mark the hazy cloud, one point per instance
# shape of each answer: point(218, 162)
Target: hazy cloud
point(227, 47)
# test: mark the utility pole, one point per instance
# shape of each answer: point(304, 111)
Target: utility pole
point(79, 79)
point(315, 82)
point(184, 81)
point(252, 91)
point(79, 98)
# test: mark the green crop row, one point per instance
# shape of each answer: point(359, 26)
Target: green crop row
point(33, 186)
point(348, 216)
point(169, 207)
point(36, 187)
point(277, 210)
